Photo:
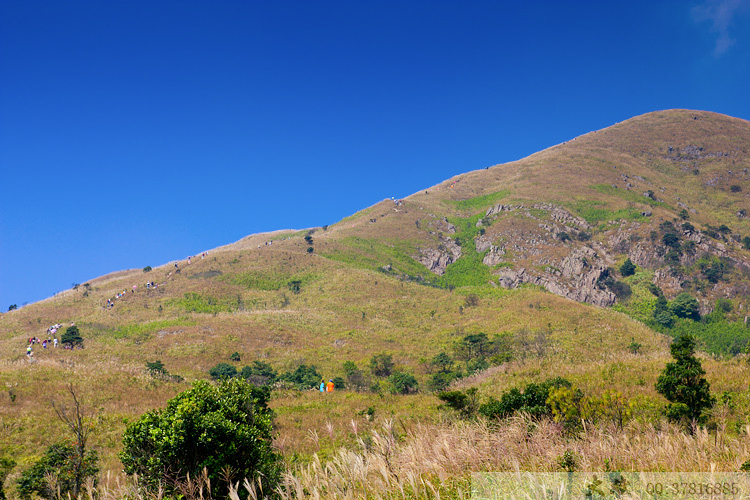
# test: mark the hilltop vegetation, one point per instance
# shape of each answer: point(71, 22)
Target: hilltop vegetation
point(551, 285)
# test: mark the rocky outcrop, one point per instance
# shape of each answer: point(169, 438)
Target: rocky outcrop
point(437, 259)
point(494, 257)
point(564, 217)
point(582, 289)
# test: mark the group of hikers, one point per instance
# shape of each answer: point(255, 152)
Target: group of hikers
point(326, 387)
point(150, 285)
point(50, 341)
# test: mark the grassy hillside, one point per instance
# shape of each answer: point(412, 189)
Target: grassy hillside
point(499, 252)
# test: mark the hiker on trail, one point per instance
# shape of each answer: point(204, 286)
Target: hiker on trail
point(329, 387)
point(55, 343)
point(322, 384)
point(28, 351)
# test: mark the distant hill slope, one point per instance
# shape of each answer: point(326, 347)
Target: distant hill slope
point(517, 251)
point(561, 217)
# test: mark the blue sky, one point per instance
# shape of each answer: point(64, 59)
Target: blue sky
point(135, 133)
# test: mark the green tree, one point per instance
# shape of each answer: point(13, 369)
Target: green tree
point(225, 428)
point(685, 306)
point(627, 268)
point(381, 365)
point(222, 371)
point(72, 337)
point(442, 362)
point(472, 346)
point(403, 383)
point(683, 383)
point(156, 368)
point(12, 307)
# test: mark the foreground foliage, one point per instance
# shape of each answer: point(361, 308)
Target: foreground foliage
point(58, 472)
point(224, 428)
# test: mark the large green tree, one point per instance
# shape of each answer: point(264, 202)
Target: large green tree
point(225, 428)
point(683, 383)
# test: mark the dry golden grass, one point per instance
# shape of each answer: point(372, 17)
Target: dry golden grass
point(348, 312)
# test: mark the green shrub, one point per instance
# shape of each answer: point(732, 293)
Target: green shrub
point(295, 286)
point(381, 365)
point(634, 347)
point(655, 290)
point(724, 305)
point(235, 356)
point(259, 373)
point(621, 290)
point(664, 318)
point(303, 377)
point(57, 473)
point(403, 383)
point(224, 427)
point(671, 240)
point(355, 378)
point(441, 380)
point(533, 400)
point(223, 371)
point(147, 269)
point(471, 300)
point(746, 242)
point(466, 403)
point(339, 383)
point(6, 465)
point(627, 268)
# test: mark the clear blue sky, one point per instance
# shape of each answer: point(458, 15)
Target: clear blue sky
point(135, 133)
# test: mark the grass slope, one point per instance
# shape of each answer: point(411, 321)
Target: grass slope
point(361, 292)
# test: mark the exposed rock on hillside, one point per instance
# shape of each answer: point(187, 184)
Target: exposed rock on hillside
point(577, 278)
point(437, 259)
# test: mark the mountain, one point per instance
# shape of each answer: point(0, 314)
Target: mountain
point(530, 251)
